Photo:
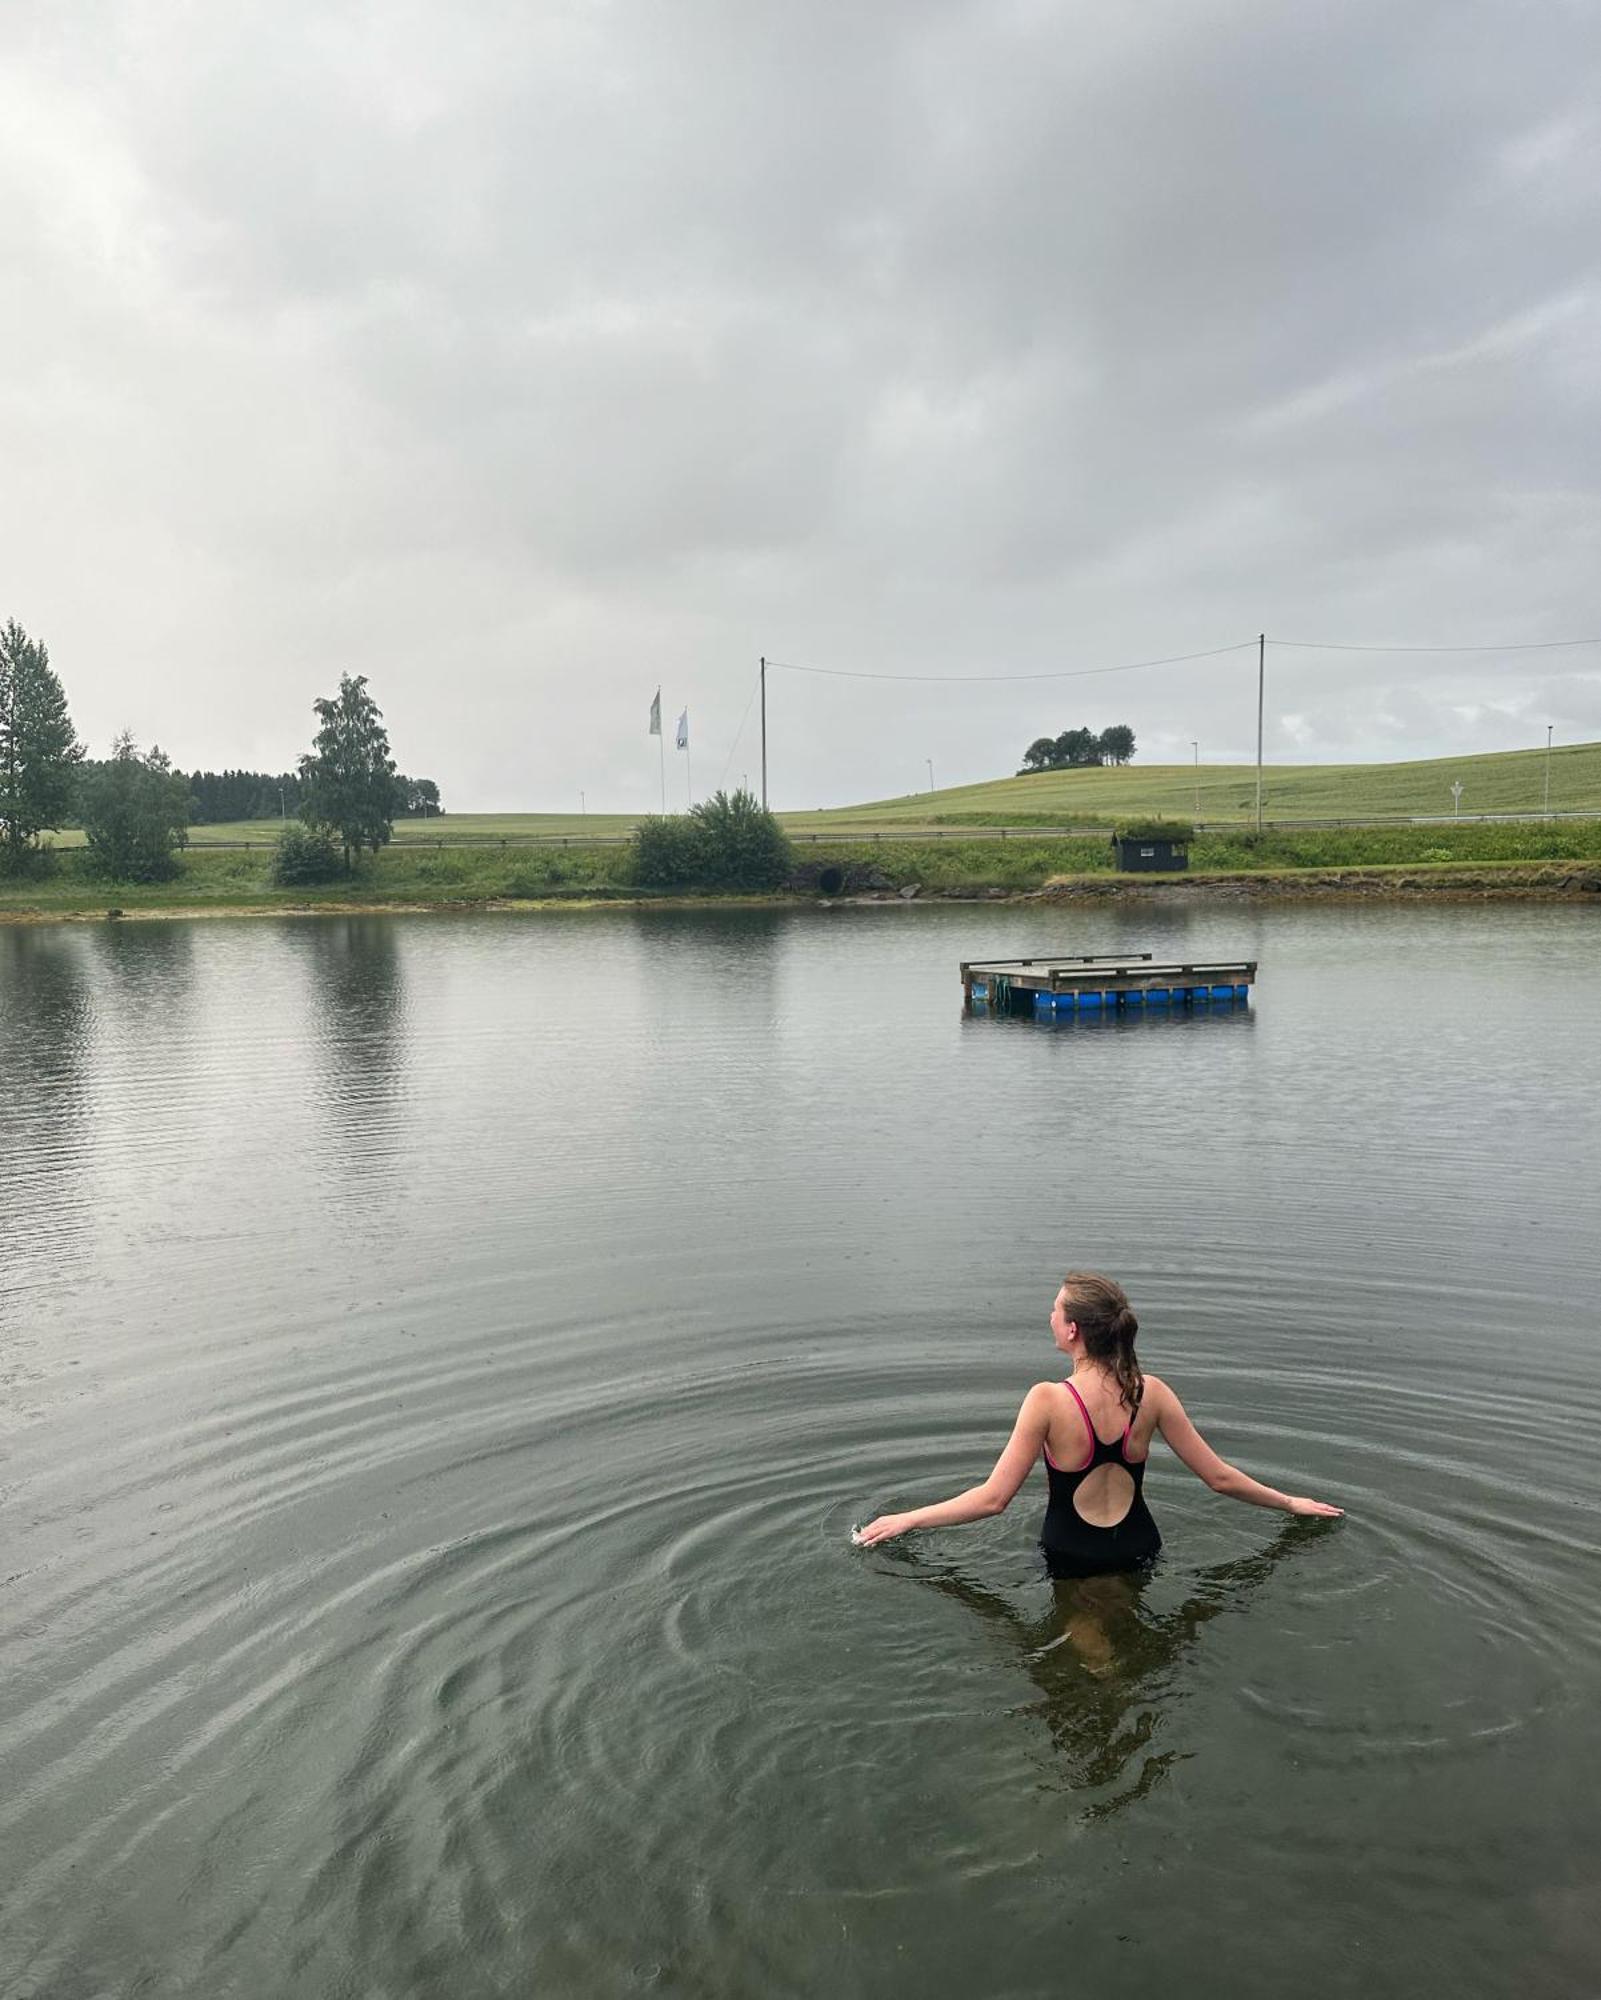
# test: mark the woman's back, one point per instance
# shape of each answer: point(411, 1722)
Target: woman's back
point(1095, 1451)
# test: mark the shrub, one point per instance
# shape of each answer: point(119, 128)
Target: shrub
point(26, 863)
point(667, 853)
point(745, 847)
point(726, 842)
point(304, 855)
point(1180, 832)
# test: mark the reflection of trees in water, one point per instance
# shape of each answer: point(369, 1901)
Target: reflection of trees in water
point(357, 969)
point(739, 950)
point(46, 1038)
point(150, 969)
point(359, 1036)
point(1103, 1659)
point(44, 1011)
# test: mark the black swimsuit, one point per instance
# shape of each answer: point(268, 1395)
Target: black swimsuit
point(1076, 1547)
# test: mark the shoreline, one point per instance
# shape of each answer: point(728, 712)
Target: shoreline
point(1554, 881)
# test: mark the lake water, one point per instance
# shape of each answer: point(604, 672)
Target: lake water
point(442, 1359)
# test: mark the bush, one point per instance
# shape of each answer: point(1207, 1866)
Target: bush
point(744, 844)
point(26, 863)
point(667, 853)
point(304, 855)
point(135, 811)
point(726, 842)
point(1180, 832)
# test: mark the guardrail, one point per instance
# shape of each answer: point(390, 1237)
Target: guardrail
point(877, 836)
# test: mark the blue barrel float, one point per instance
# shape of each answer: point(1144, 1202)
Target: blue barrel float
point(1098, 984)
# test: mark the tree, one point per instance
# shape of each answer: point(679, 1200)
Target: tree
point(417, 798)
point(135, 814)
point(39, 749)
point(348, 775)
point(1078, 746)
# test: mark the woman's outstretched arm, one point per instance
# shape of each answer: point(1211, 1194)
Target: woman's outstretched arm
point(994, 1495)
point(1187, 1444)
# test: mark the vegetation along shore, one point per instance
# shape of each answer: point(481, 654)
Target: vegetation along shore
point(1556, 859)
point(131, 835)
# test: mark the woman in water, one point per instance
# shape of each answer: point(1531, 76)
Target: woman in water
point(1095, 1430)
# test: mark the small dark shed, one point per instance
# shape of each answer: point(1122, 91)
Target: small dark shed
point(1154, 856)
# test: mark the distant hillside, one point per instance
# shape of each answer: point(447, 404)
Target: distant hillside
point(1503, 781)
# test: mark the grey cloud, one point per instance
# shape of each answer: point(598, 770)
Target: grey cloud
point(535, 356)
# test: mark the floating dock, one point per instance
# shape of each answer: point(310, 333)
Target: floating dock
point(1094, 985)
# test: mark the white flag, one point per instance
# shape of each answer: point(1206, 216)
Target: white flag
point(656, 714)
point(683, 730)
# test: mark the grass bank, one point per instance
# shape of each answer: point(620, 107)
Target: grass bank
point(210, 879)
point(1529, 856)
point(956, 866)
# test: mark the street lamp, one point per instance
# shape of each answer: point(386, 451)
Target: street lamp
point(1197, 749)
point(1456, 798)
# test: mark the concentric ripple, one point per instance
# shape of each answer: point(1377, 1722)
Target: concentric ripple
point(442, 1363)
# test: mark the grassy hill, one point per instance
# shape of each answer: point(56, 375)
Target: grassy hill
point(1501, 782)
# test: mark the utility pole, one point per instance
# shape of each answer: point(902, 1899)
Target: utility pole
point(1261, 683)
point(764, 732)
point(1195, 746)
point(1548, 728)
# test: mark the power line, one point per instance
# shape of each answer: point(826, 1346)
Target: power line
point(1064, 674)
point(1335, 646)
point(739, 732)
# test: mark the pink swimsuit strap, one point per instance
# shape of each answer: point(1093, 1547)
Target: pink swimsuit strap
point(1095, 1440)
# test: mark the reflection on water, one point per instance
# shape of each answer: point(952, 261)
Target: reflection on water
point(357, 1037)
point(46, 1028)
point(442, 1359)
point(1105, 1659)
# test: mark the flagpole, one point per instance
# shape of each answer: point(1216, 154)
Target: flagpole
point(661, 745)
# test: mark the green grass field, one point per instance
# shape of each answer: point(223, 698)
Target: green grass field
point(1509, 781)
point(524, 829)
point(1500, 782)
point(237, 878)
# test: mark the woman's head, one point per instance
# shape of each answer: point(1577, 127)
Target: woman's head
point(1092, 1316)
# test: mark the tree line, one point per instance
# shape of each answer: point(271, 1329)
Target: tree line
point(135, 808)
point(220, 798)
point(1080, 747)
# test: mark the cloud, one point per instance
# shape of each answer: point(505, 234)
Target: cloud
point(522, 359)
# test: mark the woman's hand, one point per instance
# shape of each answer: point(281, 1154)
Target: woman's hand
point(884, 1529)
point(1320, 1508)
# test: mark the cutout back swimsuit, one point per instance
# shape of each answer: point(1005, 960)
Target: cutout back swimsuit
point(1076, 1547)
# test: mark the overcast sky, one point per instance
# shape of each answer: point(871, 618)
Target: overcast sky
point(523, 357)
